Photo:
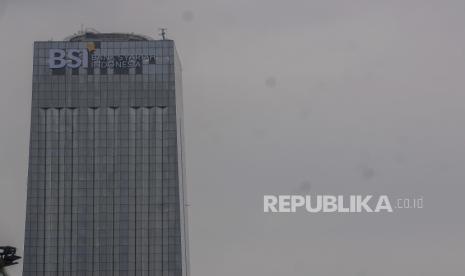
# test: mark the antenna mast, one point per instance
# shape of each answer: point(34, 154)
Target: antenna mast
point(163, 33)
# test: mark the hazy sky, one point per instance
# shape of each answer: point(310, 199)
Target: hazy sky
point(331, 97)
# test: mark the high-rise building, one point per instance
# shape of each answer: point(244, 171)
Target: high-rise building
point(106, 192)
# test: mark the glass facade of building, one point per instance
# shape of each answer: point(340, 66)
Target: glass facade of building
point(106, 175)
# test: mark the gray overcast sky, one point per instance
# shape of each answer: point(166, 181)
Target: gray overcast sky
point(340, 97)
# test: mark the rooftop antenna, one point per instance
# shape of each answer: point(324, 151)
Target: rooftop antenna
point(163, 33)
point(82, 29)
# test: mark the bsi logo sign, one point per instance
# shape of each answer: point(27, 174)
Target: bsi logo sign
point(72, 58)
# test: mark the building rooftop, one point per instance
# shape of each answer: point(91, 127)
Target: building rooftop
point(84, 36)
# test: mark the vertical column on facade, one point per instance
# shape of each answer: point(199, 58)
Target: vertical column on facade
point(167, 188)
point(61, 191)
point(90, 190)
point(172, 196)
point(47, 190)
point(138, 147)
point(123, 158)
point(69, 200)
point(51, 197)
point(143, 193)
point(101, 230)
point(30, 251)
point(106, 194)
point(78, 181)
point(41, 192)
point(156, 196)
point(80, 208)
point(183, 211)
point(165, 192)
point(164, 188)
point(151, 207)
point(176, 243)
point(113, 188)
point(44, 193)
point(98, 179)
point(140, 186)
point(132, 215)
point(66, 179)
